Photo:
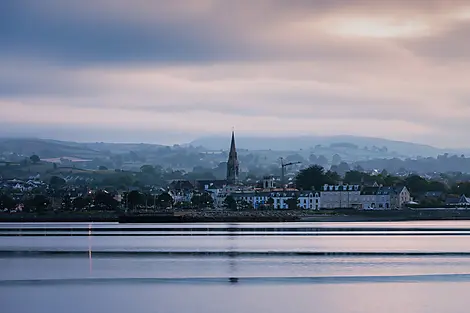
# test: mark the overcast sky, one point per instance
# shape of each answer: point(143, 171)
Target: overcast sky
point(136, 70)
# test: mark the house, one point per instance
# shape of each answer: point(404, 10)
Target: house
point(464, 201)
point(181, 190)
point(455, 201)
point(340, 196)
point(262, 197)
point(181, 185)
point(400, 197)
point(369, 198)
point(310, 200)
point(384, 198)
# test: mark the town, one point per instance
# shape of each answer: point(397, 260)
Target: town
point(304, 191)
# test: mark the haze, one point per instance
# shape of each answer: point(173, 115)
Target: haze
point(168, 71)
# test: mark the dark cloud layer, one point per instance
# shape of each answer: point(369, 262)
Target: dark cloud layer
point(105, 32)
point(81, 39)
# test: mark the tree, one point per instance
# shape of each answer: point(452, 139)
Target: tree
point(165, 200)
point(244, 205)
point(102, 168)
point(81, 203)
point(230, 203)
point(336, 160)
point(270, 202)
point(312, 159)
point(313, 177)
point(35, 159)
point(38, 203)
point(416, 184)
point(353, 177)
point(437, 186)
point(7, 202)
point(332, 177)
point(105, 200)
point(57, 182)
point(147, 169)
point(342, 168)
point(134, 199)
point(292, 203)
point(322, 160)
point(66, 203)
point(202, 201)
point(462, 188)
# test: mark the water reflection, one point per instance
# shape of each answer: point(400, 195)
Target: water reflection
point(90, 260)
point(232, 248)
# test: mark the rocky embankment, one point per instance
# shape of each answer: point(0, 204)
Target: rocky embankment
point(220, 216)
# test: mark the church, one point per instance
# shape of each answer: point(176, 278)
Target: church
point(233, 166)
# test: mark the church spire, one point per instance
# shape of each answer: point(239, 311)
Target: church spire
point(232, 163)
point(233, 148)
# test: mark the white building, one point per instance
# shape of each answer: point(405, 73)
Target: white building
point(280, 198)
point(340, 196)
point(310, 200)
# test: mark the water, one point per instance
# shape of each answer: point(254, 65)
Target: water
point(418, 267)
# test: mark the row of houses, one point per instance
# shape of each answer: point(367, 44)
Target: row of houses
point(329, 197)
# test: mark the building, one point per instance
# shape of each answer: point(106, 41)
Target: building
point(181, 190)
point(384, 198)
point(278, 198)
point(232, 163)
point(340, 196)
point(400, 197)
point(462, 201)
point(373, 198)
point(310, 200)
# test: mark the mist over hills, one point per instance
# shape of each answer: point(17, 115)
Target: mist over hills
point(256, 154)
point(351, 147)
point(396, 148)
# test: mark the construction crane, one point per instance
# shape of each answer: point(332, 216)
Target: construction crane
point(283, 170)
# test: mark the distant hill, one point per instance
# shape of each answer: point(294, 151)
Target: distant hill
point(48, 148)
point(260, 150)
point(400, 148)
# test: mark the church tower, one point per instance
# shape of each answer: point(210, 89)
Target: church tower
point(232, 163)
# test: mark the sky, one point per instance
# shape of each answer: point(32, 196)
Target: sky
point(171, 71)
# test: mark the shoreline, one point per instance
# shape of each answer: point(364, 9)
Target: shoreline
point(237, 217)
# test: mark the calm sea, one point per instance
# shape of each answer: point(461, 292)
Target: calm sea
point(211, 268)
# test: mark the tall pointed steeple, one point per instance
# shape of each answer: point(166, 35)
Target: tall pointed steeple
point(232, 163)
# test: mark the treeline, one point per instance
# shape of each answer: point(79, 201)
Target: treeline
point(101, 200)
point(314, 177)
point(442, 164)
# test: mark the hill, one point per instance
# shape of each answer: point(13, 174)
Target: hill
point(393, 148)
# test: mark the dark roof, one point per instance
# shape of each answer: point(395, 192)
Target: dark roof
point(452, 200)
point(381, 190)
point(181, 184)
point(369, 190)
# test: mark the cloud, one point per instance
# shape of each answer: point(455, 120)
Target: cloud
point(396, 69)
point(206, 31)
point(451, 46)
